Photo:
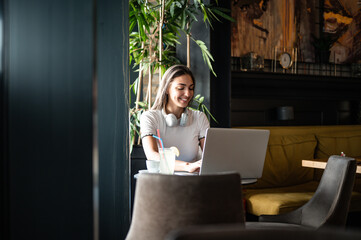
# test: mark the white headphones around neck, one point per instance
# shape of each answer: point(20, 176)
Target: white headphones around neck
point(171, 119)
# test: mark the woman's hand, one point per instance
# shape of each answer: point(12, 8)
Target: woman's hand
point(187, 167)
point(195, 166)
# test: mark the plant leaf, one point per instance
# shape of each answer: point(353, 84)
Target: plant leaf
point(222, 14)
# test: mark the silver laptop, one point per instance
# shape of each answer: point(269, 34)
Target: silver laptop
point(235, 150)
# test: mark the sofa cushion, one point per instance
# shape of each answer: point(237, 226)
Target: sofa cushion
point(334, 143)
point(261, 198)
point(283, 163)
point(273, 201)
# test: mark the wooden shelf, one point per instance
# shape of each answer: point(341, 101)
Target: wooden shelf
point(293, 86)
point(317, 100)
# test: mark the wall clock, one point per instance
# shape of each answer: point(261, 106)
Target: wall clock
point(285, 60)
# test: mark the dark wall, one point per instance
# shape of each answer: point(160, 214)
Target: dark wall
point(215, 89)
point(221, 85)
point(113, 106)
point(199, 68)
point(316, 100)
point(66, 65)
point(4, 201)
point(49, 70)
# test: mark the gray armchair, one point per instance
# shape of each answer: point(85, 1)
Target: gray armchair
point(329, 205)
point(166, 202)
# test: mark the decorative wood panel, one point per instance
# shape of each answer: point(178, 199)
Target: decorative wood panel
point(342, 24)
point(261, 28)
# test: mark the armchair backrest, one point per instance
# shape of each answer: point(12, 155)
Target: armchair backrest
point(166, 202)
point(330, 203)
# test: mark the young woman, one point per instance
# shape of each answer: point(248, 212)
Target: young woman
point(178, 126)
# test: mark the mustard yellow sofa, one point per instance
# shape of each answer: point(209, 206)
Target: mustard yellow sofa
point(285, 185)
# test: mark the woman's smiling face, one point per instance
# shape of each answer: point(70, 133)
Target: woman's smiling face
point(180, 92)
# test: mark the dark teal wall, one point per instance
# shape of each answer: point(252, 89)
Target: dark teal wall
point(4, 171)
point(53, 50)
point(199, 68)
point(216, 90)
point(220, 94)
point(113, 84)
point(50, 67)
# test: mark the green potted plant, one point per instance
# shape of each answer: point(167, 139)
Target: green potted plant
point(154, 30)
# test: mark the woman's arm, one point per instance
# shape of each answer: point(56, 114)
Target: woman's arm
point(150, 148)
point(190, 167)
point(151, 151)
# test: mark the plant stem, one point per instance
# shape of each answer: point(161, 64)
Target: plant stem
point(161, 22)
point(188, 45)
point(140, 82)
point(150, 79)
point(188, 51)
point(138, 143)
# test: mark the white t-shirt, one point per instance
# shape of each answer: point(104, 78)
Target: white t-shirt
point(185, 138)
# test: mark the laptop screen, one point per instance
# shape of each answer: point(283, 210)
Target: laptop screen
point(235, 150)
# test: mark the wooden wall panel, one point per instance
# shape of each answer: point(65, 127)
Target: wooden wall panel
point(261, 31)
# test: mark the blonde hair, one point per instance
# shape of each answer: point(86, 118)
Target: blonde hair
point(173, 72)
